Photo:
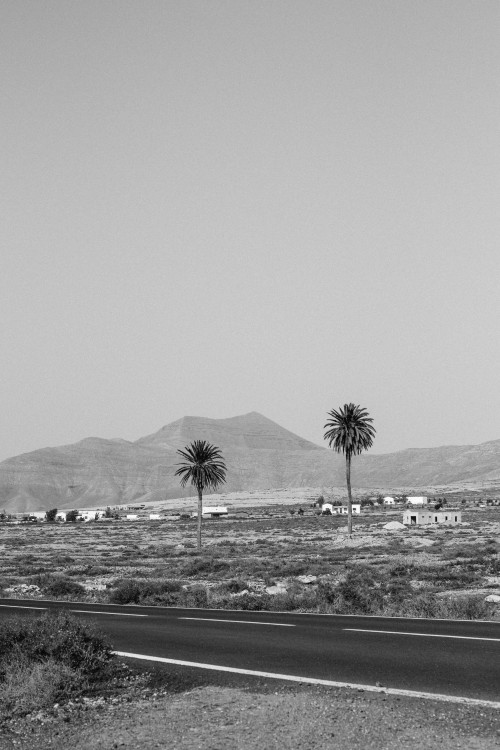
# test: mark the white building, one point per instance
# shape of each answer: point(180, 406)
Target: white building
point(389, 501)
point(215, 511)
point(342, 510)
point(212, 511)
point(427, 517)
point(132, 517)
point(90, 515)
point(417, 500)
point(327, 508)
point(155, 517)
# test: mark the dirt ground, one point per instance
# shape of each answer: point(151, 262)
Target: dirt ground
point(257, 716)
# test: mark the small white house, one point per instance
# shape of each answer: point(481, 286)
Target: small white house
point(327, 508)
point(389, 501)
point(40, 515)
point(90, 515)
point(132, 517)
point(343, 511)
point(214, 511)
point(427, 517)
point(418, 501)
point(155, 517)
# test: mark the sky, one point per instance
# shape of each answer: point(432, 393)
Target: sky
point(222, 206)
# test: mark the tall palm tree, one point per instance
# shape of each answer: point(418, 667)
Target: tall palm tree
point(350, 432)
point(204, 467)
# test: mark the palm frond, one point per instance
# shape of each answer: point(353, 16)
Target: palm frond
point(349, 430)
point(203, 465)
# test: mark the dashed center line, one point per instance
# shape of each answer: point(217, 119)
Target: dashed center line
point(239, 622)
point(21, 606)
point(83, 611)
point(424, 635)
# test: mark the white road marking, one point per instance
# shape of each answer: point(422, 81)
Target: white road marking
point(20, 606)
point(113, 614)
point(247, 622)
point(425, 635)
point(85, 611)
point(315, 681)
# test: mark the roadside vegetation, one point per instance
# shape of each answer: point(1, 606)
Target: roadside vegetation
point(50, 658)
point(267, 560)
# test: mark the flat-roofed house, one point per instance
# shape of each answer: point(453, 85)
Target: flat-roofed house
point(342, 509)
point(412, 517)
point(215, 511)
point(417, 500)
point(90, 515)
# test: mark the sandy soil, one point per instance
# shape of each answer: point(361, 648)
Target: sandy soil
point(258, 718)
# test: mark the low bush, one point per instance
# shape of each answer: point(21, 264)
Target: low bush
point(361, 592)
point(429, 605)
point(47, 658)
point(58, 586)
point(133, 591)
point(26, 687)
point(249, 602)
point(204, 565)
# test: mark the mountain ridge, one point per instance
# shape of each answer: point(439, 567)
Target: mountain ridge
point(259, 453)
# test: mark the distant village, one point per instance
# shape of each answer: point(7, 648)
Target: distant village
point(417, 510)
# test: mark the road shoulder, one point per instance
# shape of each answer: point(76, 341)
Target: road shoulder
point(188, 711)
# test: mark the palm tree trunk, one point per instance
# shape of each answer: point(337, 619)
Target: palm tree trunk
point(200, 513)
point(349, 496)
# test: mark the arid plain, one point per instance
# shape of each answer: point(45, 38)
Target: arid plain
point(264, 558)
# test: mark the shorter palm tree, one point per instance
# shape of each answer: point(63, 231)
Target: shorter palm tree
point(350, 432)
point(204, 467)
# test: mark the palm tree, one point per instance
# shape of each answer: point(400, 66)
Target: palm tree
point(204, 467)
point(350, 432)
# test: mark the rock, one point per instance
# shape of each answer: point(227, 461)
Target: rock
point(395, 526)
point(495, 598)
point(24, 588)
point(240, 593)
point(307, 579)
point(278, 589)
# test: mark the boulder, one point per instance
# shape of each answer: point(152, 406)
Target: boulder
point(278, 589)
point(395, 526)
point(307, 579)
point(495, 598)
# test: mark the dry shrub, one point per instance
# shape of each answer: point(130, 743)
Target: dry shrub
point(145, 592)
point(49, 657)
point(471, 607)
point(59, 587)
point(27, 687)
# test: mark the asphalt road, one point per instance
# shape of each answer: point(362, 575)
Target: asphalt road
point(459, 658)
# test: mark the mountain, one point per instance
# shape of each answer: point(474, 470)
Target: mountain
point(259, 454)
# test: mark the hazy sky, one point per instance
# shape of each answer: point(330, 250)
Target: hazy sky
point(210, 208)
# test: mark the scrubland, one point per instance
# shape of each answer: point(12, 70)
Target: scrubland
point(60, 686)
point(263, 560)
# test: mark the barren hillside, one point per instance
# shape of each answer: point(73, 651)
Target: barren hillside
point(259, 453)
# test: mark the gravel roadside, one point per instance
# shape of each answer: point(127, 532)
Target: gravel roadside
point(255, 716)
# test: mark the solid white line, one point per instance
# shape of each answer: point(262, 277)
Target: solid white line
point(20, 606)
point(113, 614)
point(425, 635)
point(246, 622)
point(314, 681)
